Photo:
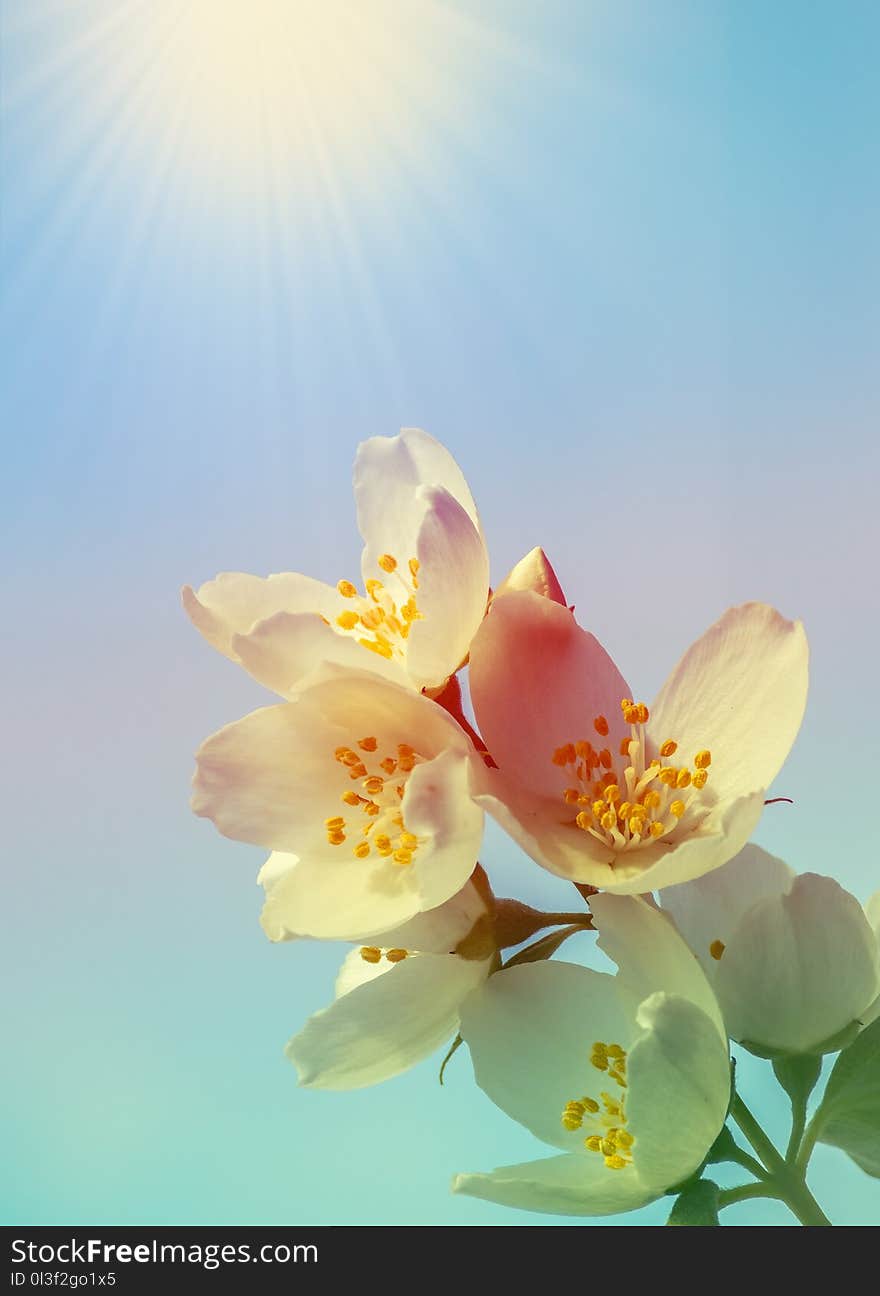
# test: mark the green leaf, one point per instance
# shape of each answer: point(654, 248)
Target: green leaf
point(697, 1205)
point(849, 1115)
point(798, 1076)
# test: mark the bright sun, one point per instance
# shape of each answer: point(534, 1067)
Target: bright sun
point(301, 77)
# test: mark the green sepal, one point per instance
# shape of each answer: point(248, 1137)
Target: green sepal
point(849, 1114)
point(453, 1048)
point(544, 948)
point(798, 1075)
point(697, 1205)
point(725, 1148)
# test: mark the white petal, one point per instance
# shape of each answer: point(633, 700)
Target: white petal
point(234, 602)
point(346, 899)
point(437, 807)
point(560, 1185)
point(272, 779)
point(872, 910)
point(709, 908)
point(679, 1089)
point(533, 572)
point(438, 930)
point(651, 954)
point(385, 1025)
point(453, 589)
point(799, 967)
point(357, 971)
point(530, 1030)
point(721, 836)
point(538, 681)
point(281, 650)
point(387, 474)
point(740, 693)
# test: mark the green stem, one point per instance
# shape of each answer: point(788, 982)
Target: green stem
point(728, 1196)
point(798, 1124)
point(807, 1144)
point(787, 1179)
point(748, 1163)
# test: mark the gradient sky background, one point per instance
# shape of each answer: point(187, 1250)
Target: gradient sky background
point(622, 257)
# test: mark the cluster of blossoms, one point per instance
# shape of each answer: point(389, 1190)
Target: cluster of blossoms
point(368, 784)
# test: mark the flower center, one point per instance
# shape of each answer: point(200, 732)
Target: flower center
point(625, 800)
point(605, 1118)
point(378, 620)
point(375, 815)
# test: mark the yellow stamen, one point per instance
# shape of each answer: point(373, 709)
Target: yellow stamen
point(703, 759)
point(699, 779)
point(370, 954)
point(336, 822)
point(346, 589)
point(362, 850)
point(616, 1162)
point(377, 646)
point(669, 748)
point(395, 955)
point(600, 724)
point(717, 948)
point(677, 808)
point(387, 562)
point(347, 620)
point(684, 778)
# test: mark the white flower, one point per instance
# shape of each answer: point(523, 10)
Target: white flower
point(629, 1075)
point(425, 571)
point(793, 959)
point(602, 790)
point(398, 997)
point(367, 782)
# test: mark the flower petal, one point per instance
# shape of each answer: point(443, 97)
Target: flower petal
point(679, 1089)
point(709, 908)
point(283, 649)
point(799, 967)
point(273, 779)
point(534, 824)
point(441, 929)
point(722, 835)
point(437, 807)
point(651, 954)
point(538, 681)
point(530, 1029)
point(387, 474)
point(560, 1185)
point(872, 911)
point(739, 692)
point(453, 589)
point(233, 602)
point(533, 572)
point(386, 1024)
point(346, 899)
